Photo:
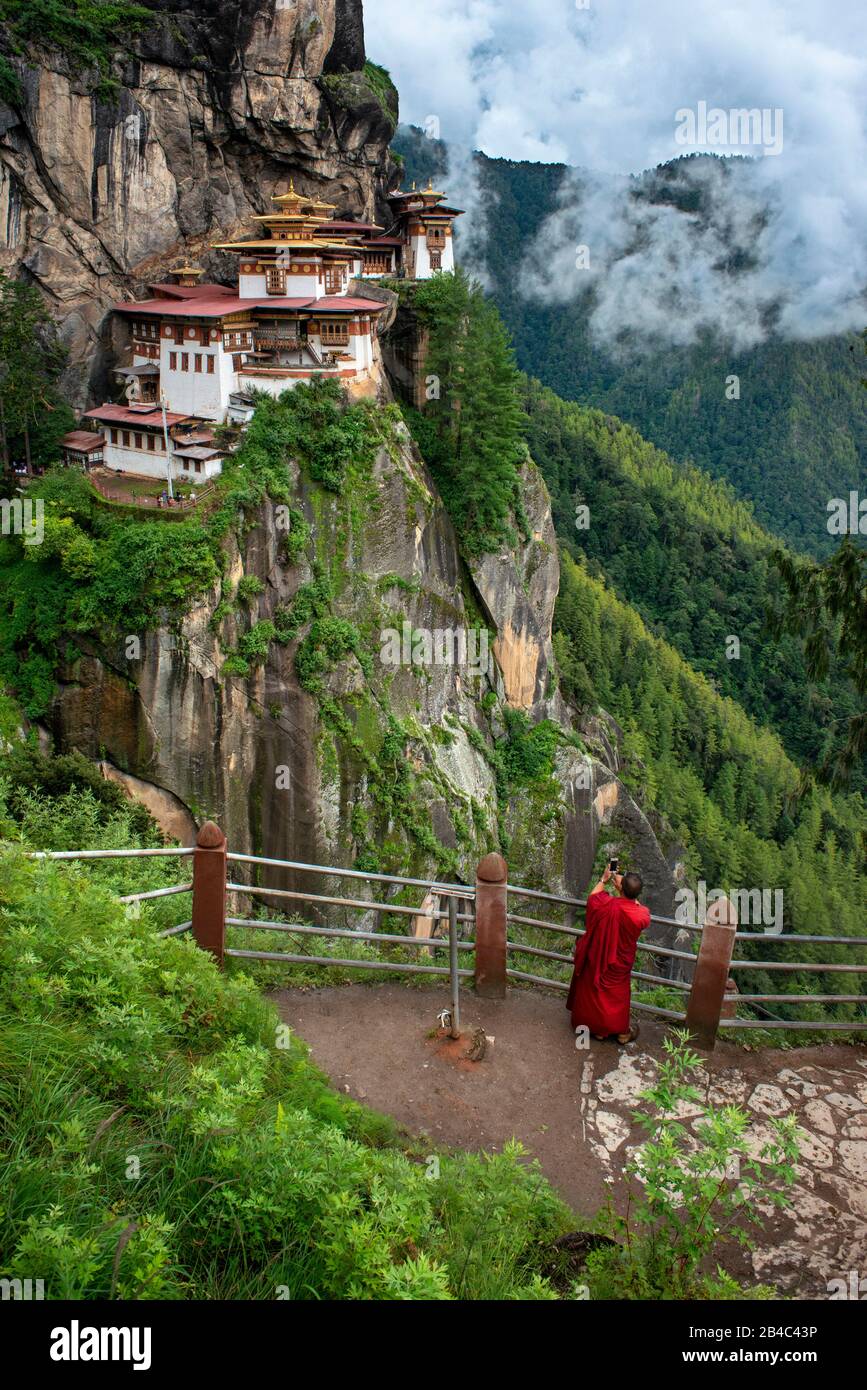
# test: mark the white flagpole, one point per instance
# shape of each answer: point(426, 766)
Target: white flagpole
point(167, 443)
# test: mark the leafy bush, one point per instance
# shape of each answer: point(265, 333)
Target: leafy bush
point(689, 1193)
point(165, 1136)
point(248, 587)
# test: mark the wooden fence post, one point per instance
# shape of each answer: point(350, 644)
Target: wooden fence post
point(209, 890)
point(707, 995)
point(491, 878)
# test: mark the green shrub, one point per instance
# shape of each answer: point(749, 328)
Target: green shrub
point(164, 1136)
point(248, 587)
point(686, 1198)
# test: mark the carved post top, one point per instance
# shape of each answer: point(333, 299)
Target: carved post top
point(210, 836)
point(493, 869)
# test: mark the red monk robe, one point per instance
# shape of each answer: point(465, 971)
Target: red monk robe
point(599, 993)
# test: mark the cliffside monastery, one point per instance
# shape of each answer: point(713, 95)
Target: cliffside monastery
point(199, 351)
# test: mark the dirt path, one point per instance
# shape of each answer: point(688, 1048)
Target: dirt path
point(572, 1109)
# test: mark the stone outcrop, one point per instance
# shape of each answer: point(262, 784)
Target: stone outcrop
point(252, 753)
point(518, 588)
point(217, 105)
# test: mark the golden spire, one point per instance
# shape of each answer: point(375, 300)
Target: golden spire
point(187, 274)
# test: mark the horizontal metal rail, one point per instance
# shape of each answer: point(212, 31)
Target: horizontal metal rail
point(457, 890)
point(156, 893)
point(783, 1023)
point(636, 974)
point(561, 984)
point(797, 965)
point(176, 931)
point(658, 1009)
point(661, 980)
point(537, 951)
point(544, 926)
point(576, 932)
point(399, 908)
point(799, 998)
point(582, 902)
point(107, 853)
point(666, 951)
point(771, 937)
point(536, 979)
point(348, 964)
point(428, 942)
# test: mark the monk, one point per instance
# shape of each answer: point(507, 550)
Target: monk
point(599, 995)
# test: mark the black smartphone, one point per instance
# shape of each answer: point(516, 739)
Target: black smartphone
point(612, 864)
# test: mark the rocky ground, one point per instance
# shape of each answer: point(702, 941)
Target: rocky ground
point(572, 1109)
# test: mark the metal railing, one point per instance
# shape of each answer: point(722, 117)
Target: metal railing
point(481, 935)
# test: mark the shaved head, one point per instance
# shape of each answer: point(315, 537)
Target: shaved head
point(631, 884)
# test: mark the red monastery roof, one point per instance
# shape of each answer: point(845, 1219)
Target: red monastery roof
point(211, 307)
point(85, 441)
point(205, 291)
point(228, 304)
point(128, 415)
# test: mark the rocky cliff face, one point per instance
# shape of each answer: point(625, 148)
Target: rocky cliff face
point(215, 108)
point(257, 755)
point(217, 105)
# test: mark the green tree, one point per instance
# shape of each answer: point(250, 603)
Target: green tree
point(826, 605)
point(32, 414)
point(471, 428)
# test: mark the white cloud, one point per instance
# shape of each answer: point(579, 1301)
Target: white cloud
point(598, 88)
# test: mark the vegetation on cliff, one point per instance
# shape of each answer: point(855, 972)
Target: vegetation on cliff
point(86, 31)
point(469, 431)
point(33, 413)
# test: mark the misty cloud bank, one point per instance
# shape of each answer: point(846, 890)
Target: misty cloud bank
point(780, 246)
point(757, 258)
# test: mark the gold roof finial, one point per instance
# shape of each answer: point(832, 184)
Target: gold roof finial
point(291, 184)
point(413, 185)
point(430, 185)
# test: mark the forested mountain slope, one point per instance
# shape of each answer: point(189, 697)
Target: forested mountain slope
point(796, 437)
point(689, 556)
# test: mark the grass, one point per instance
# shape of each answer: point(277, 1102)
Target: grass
point(164, 1135)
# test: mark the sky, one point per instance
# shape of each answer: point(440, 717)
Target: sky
point(615, 88)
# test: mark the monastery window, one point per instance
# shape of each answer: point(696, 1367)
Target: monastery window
point(138, 442)
point(152, 442)
point(198, 465)
point(126, 439)
point(335, 332)
point(275, 279)
point(179, 333)
point(114, 436)
point(210, 365)
point(198, 361)
point(333, 279)
point(185, 361)
point(173, 361)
